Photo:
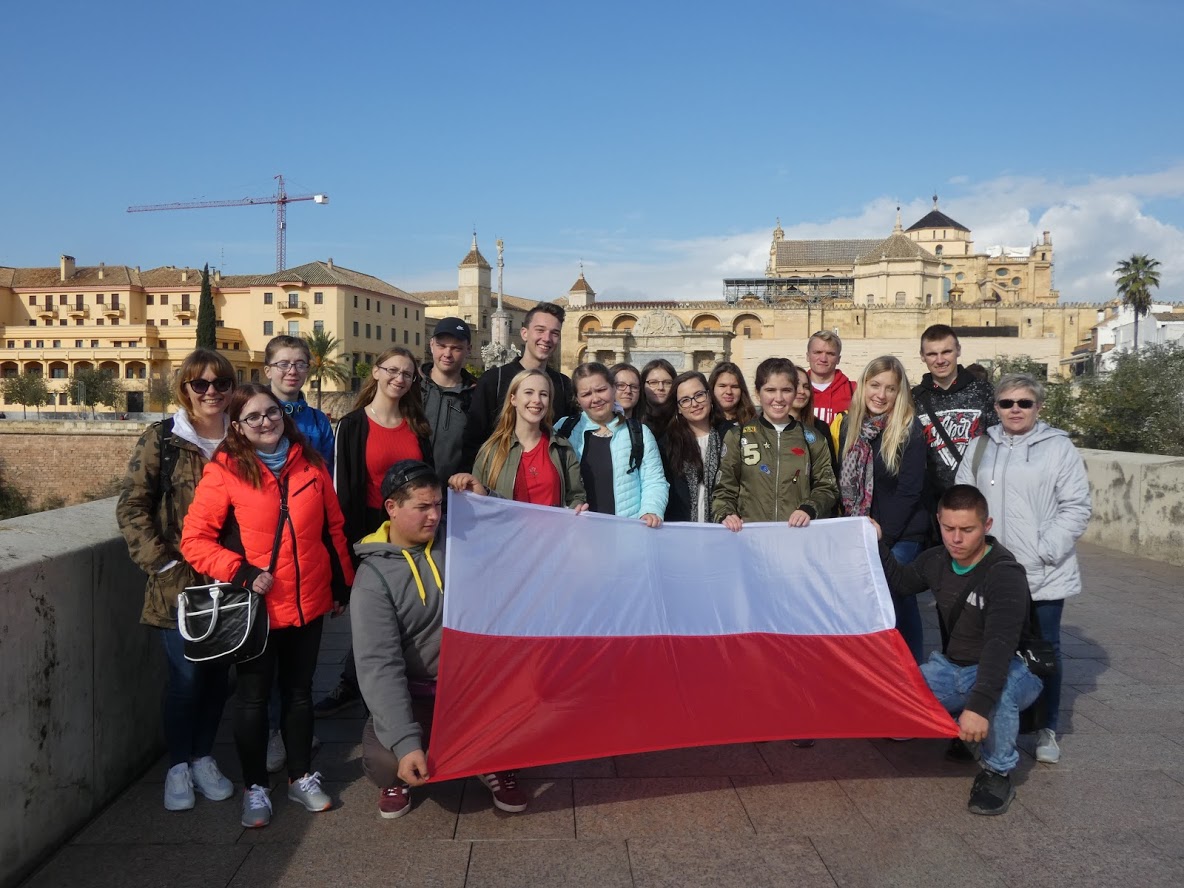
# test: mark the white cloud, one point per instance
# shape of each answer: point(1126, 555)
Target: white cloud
point(1094, 223)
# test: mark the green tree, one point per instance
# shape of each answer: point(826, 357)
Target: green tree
point(1136, 278)
point(362, 371)
point(207, 318)
point(1139, 406)
point(28, 390)
point(160, 391)
point(321, 363)
point(93, 387)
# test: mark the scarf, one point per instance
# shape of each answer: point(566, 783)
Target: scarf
point(710, 471)
point(275, 461)
point(855, 476)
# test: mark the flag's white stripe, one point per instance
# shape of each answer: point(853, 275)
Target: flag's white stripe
point(521, 570)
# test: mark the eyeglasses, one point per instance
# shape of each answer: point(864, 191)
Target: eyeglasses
point(697, 398)
point(395, 373)
point(1008, 403)
point(222, 384)
point(628, 387)
point(255, 420)
point(285, 366)
point(659, 383)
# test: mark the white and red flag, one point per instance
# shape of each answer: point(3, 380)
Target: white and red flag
point(570, 636)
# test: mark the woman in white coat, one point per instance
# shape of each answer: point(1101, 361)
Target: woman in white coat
point(1038, 495)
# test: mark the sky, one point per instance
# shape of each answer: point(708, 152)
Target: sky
point(655, 143)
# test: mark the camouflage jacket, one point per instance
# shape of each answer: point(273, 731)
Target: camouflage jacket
point(151, 521)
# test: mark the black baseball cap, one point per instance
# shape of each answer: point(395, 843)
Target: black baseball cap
point(407, 471)
point(454, 327)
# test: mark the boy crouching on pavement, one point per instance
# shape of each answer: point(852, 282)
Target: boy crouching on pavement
point(397, 611)
point(978, 677)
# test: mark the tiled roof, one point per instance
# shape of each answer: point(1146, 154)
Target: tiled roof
point(1169, 316)
point(435, 295)
point(475, 258)
point(797, 253)
point(936, 219)
point(315, 273)
point(895, 246)
point(582, 286)
point(170, 276)
point(447, 297)
point(83, 276)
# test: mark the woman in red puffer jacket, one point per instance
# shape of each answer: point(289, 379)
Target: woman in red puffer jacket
point(229, 534)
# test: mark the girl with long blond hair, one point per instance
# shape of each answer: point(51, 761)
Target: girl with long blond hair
point(524, 459)
point(882, 473)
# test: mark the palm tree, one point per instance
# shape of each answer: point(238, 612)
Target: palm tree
point(321, 364)
point(1136, 277)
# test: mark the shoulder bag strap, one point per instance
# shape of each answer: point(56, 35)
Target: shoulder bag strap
point(279, 526)
point(927, 403)
point(958, 608)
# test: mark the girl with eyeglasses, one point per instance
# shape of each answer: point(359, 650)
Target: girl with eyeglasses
point(1038, 496)
point(619, 461)
point(524, 460)
point(657, 382)
point(629, 395)
point(265, 474)
point(285, 364)
point(731, 405)
point(882, 474)
point(691, 447)
point(386, 425)
point(158, 490)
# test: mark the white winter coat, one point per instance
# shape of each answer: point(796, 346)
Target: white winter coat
point(1038, 496)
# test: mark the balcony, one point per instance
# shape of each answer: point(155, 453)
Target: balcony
point(184, 312)
point(113, 311)
point(77, 311)
point(293, 309)
point(46, 312)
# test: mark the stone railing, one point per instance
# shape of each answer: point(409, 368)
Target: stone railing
point(80, 680)
point(1138, 503)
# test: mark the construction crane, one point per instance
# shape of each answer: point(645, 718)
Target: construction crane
point(281, 199)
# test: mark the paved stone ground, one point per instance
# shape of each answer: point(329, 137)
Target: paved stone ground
point(848, 813)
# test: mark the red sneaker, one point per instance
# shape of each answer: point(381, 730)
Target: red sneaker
point(394, 801)
point(507, 795)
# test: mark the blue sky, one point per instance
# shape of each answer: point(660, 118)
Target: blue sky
point(656, 142)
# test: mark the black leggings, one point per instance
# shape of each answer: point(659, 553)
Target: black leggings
point(294, 650)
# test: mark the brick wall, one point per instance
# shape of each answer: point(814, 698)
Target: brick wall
point(71, 461)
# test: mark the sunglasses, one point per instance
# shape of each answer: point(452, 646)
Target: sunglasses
point(222, 384)
point(1008, 403)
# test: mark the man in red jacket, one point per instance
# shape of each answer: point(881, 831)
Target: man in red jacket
point(832, 389)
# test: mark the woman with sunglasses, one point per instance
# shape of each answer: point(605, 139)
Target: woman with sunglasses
point(657, 381)
point(630, 400)
point(1038, 498)
point(524, 460)
point(266, 483)
point(386, 425)
point(619, 461)
point(158, 490)
point(691, 449)
point(731, 405)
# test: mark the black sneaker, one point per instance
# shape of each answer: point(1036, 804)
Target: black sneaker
point(962, 753)
point(991, 794)
point(340, 697)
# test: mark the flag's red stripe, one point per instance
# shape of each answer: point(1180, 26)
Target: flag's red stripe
point(510, 702)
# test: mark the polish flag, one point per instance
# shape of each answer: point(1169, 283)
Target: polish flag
point(570, 637)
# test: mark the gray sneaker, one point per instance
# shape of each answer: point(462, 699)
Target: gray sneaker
point(256, 806)
point(1047, 750)
point(209, 781)
point(307, 791)
point(178, 788)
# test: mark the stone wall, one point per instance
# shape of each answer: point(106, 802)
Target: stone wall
point(68, 462)
point(80, 679)
point(1138, 503)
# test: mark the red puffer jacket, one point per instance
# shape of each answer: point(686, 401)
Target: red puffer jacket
point(229, 517)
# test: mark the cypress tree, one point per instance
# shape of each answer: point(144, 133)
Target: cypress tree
point(207, 336)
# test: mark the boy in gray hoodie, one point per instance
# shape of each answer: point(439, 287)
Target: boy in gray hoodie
point(396, 613)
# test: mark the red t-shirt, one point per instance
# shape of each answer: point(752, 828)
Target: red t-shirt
point(537, 481)
point(384, 448)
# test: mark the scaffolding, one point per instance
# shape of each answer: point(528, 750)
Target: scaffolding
point(804, 290)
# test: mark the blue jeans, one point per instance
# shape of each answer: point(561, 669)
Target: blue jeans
point(193, 699)
point(1048, 614)
point(908, 612)
point(952, 684)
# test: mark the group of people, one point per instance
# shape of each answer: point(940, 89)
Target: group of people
point(248, 483)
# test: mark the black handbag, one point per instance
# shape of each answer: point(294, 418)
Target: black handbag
point(224, 622)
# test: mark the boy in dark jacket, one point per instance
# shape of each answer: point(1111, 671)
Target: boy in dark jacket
point(978, 677)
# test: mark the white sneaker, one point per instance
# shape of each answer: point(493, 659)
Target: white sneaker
point(1047, 750)
point(277, 755)
point(178, 788)
point(256, 806)
point(307, 791)
point(209, 781)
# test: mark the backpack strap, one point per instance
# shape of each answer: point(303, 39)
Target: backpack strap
point(976, 458)
point(169, 453)
point(959, 606)
point(636, 445)
point(568, 425)
point(927, 403)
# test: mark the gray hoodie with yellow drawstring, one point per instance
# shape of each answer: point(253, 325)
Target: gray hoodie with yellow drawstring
point(396, 612)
